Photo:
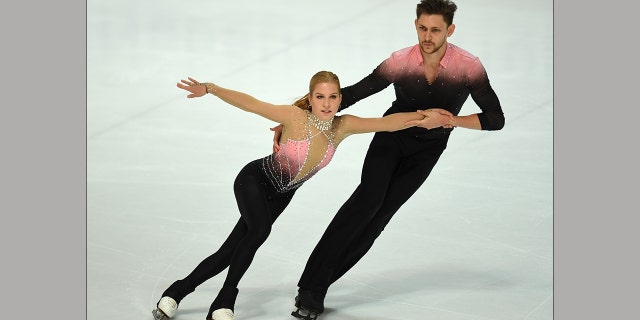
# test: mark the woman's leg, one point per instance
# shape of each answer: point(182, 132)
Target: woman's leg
point(259, 206)
point(209, 267)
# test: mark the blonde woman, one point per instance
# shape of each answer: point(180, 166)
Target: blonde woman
point(264, 187)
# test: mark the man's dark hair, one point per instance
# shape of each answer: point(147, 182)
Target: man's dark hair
point(445, 8)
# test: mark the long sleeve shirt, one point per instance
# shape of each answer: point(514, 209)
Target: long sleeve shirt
point(460, 75)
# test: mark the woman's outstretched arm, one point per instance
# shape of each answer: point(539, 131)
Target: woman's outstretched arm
point(394, 121)
point(243, 101)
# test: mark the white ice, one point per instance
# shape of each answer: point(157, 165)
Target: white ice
point(475, 241)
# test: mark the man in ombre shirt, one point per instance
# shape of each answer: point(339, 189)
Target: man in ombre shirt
point(433, 77)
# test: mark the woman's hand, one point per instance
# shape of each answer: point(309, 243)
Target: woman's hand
point(192, 85)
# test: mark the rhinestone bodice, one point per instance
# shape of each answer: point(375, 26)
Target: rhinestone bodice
point(298, 160)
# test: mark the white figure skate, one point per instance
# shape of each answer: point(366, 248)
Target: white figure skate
point(166, 308)
point(222, 314)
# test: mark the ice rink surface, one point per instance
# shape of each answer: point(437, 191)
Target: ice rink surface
point(475, 241)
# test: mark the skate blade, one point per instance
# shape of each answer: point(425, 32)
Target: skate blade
point(159, 315)
point(304, 314)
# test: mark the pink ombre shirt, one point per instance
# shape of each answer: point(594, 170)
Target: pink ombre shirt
point(460, 75)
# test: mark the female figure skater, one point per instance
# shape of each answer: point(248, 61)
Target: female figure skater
point(264, 187)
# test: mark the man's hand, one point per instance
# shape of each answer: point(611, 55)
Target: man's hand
point(277, 132)
point(434, 118)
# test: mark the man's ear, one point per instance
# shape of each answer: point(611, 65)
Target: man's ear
point(451, 29)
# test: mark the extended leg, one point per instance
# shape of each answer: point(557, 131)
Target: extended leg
point(410, 175)
point(355, 214)
point(259, 206)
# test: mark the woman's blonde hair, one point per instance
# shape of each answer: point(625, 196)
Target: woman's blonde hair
point(319, 77)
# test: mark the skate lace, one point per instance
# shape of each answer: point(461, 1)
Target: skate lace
point(168, 302)
point(167, 306)
point(225, 313)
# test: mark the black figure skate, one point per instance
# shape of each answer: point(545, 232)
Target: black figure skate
point(307, 306)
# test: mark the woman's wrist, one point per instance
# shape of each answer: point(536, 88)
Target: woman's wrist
point(210, 87)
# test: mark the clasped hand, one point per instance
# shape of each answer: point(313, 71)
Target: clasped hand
point(434, 118)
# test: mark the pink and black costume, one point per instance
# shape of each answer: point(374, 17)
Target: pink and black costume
point(263, 189)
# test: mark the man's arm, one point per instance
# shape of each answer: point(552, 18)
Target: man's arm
point(369, 85)
point(492, 116)
point(471, 121)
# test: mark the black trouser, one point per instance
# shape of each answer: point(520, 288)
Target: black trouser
point(260, 205)
point(395, 166)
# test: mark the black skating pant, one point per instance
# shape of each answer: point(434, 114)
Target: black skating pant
point(395, 166)
point(260, 205)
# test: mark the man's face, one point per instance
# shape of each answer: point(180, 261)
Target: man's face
point(432, 32)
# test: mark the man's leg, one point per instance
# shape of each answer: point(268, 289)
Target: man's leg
point(410, 175)
point(355, 213)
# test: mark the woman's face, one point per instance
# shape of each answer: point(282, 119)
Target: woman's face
point(325, 100)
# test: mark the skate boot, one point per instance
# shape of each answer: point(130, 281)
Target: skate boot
point(222, 307)
point(222, 314)
point(308, 307)
point(166, 308)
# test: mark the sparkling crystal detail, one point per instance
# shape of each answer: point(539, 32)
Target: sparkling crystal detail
point(319, 124)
